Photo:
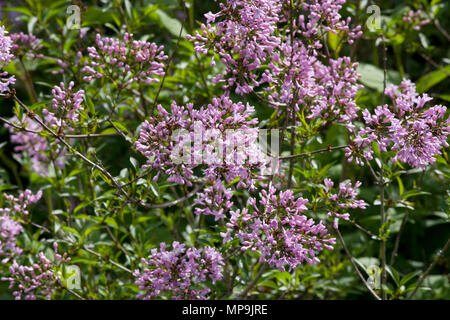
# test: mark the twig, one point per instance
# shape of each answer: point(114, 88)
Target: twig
point(254, 281)
point(73, 292)
point(397, 238)
point(175, 202)
point(383, 238)
point(107, 259)
point(291, 162)
point(306, 154)
point(381, 183)
point(349, 256)
point(439, 27)
point(86, 248)
point(427, 272)
point(169, 61)
point(28, 82)
point(434, 64)
point(364, 230)
point(372, 171)
point(69, 136)
point(108, 230)
point(71, 149)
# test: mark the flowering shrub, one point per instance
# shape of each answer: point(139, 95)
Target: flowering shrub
point(416, 134)
point(278, 149)
point(178, 271)
point(5, 59)
point(279, 230)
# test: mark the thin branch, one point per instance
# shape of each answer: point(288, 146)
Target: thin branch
point(372, 171)
point(349, 256)
point(69, 147)
point(73, 293)
point(69, 136)
point(169, 61)
point(381, 183)
point(383, 239)
point(307, 154)
point(254, 281)
point(291, 162)
point(28, 82)
point(107, 259)
point(91, 135)
point(359, 227)
point(86, 248)
point(175, 202)
point(434, 64)
point(397, 238)
point(427, 272)
point(108, 230)
point(439, 27)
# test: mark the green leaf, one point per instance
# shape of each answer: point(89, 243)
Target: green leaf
point(71, 230)
point(172, 25)
point(431, 79)
point(23, 10)
point(334, 41)
point(412, 193)
point(128, 7)
point(408, 277)
point(445, 97)
point(401, 188)
point(373, 77)
point(394, 274)
point(120, 126)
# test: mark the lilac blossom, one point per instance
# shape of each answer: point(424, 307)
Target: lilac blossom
point(246, 30)
point(178, 273)
point(415, 19)
point(415, 132)
point(214, 200)
point(275, 226)
point(15, 208)
point(9, 230)
point(125, 59)
point(25, 45)
point(339, 203)
point(230, 150)
point(5, 58)
point(18, 206)
point(287, 67)
point(39, 279)
point(30, 143)
point(66, 106)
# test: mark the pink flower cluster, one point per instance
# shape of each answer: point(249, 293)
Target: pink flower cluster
point(343, 200)
point(19, 206)
point(275, 226)
point(38, 280)
point(214, 200)
point(5, 58)
point(66, 106)
point(177, 274)
point(126, 60)
point(416, 133)
point(244, 39)
point(222, 136)
point(32, 144)
point(415, 19)
point(287, 67)
point(25, 45)
point(10, 228)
